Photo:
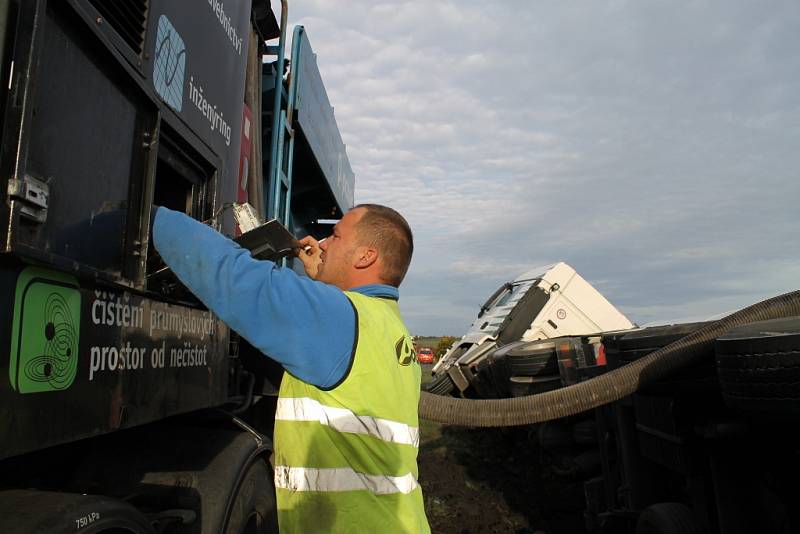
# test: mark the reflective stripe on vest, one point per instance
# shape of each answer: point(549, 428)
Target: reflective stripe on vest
point(340, 479)
point(346, 457)
point(343, 420)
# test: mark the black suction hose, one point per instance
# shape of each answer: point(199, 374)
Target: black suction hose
point(605, 388)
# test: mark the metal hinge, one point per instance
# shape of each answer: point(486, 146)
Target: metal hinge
point(33, 195)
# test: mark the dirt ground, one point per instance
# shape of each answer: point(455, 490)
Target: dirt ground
point(494, 480)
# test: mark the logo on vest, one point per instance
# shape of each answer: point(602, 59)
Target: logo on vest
point(405, 351)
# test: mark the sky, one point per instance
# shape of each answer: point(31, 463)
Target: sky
point(654, 146)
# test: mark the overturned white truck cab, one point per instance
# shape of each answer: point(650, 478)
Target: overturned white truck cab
point(545, 303)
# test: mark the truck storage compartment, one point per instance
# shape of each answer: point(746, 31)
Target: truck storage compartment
point(74, 122)
point(666, 434)
point(182, 183)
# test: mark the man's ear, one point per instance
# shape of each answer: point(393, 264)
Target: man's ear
point(365, 257)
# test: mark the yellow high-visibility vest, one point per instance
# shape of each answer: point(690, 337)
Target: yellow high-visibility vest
point(346, 457)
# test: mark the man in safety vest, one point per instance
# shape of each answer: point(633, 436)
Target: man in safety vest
point(346, 424)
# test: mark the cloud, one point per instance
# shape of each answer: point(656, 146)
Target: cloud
point(651, 145)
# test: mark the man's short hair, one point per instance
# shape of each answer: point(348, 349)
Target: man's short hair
point(386, 230)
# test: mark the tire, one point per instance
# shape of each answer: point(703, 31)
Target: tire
point(635, 345)
point(521, 386)
point(253, 509)
point(668, 518)
point(759, 367)
point(440, 385)
point(533, 364)
point(528, 358)
point(199, 464)
point(25, 511)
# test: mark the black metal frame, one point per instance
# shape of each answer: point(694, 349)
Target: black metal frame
point(16, 136)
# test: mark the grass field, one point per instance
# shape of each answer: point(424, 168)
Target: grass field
point(493, 480)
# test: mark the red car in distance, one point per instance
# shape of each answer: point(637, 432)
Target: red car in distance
point(425, 355)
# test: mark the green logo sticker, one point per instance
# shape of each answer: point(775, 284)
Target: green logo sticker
point(45, 331)
point(405, 351)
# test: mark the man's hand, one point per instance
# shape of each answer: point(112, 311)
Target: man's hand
point(310, 254)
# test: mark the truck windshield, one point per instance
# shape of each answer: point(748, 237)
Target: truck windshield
point(504, 297)
point(504, 294)
point(500, 293)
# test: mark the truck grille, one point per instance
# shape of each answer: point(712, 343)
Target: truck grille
point(127, 17)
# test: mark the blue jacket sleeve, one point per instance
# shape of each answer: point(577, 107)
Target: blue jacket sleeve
point(305, 325)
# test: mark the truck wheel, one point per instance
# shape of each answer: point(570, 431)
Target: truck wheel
point(630, 347)
point(45, 512)
point(533, 364)
point(668, 518)
point(759, 366)
point(253, 508)
point(521, 386)
point(440, 385)
point(529, 358)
